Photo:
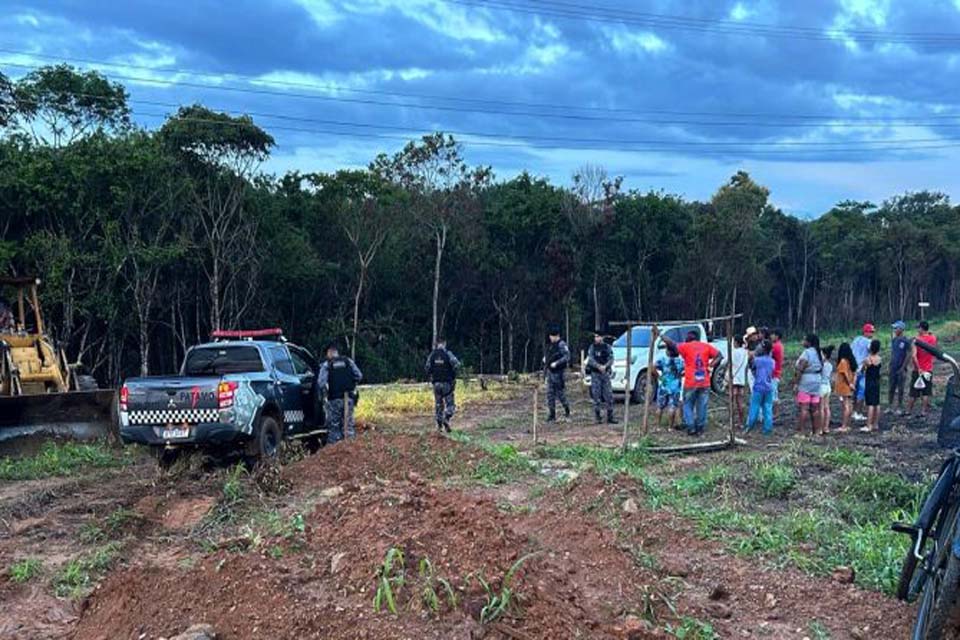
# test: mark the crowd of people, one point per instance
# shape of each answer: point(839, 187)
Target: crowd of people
point(854, 376)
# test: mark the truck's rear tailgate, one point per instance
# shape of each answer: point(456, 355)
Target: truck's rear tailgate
point(172, 400)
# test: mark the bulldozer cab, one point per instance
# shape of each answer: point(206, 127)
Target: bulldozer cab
point(30, 362)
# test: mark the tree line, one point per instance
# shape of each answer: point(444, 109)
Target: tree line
point(146, 240)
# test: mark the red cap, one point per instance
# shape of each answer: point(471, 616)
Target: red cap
point(868, 328)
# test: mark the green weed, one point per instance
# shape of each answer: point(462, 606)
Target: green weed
point(499, 602)
point(78, 575)
point(606, 462)
point(840, 457)
point(25, 570)
point(818, 631)
point(502, 464)
point(774, 480)
point(390, 580)
point(701, 482)
point(62, 459)
point(431, 584)
point(692, 629)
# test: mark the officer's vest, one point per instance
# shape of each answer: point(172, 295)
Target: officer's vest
point(441, 369)
point(602, 354)
point(340, 379)
point(555, 354)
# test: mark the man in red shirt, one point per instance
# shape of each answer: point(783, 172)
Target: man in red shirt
point(698, 360)
point(776, 352)
point(921, 381)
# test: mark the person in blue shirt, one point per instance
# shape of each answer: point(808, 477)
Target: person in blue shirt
point(861, 350)
point(761, 399)
point(669, 384)
point(899, 359)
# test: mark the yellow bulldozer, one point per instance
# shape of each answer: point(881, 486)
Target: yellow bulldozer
point(41, 394)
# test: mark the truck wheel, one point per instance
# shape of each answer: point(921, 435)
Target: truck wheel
point(718, 379)
point(315, 443)
point(639, 394)
point(266, 441)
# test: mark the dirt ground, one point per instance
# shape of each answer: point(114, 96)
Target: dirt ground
point(300, 552)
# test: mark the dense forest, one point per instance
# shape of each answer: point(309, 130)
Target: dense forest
point(147, 239)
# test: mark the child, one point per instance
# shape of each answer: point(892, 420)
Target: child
point(669, 376)
point(761, 400)
point(738, 377)
point(810, 371)
point(843, 384)
point(871, 393)
point(826, 384)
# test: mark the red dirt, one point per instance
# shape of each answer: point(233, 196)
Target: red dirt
point(583, 582)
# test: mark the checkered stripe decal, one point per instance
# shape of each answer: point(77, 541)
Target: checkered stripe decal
point(174, 416)
point(293, 416)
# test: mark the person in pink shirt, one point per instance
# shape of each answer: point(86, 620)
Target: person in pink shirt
point(777, 354)
point(921, 381)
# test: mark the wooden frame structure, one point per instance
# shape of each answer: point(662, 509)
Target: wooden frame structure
point(654, 334)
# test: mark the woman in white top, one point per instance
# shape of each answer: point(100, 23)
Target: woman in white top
point(826, 386)
point(738, 375)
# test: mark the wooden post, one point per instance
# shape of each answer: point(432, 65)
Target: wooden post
point(730, 374)
point(654, 333)
point(536, 410)
point(346, 414)
point(626, 385)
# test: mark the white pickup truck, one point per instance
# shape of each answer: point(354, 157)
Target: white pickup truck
point(639, 354)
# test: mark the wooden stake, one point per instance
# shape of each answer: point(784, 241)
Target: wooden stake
point(346, 414)
point(654, 333)
point(626, 385)
point(536, 410)
point(730, 381)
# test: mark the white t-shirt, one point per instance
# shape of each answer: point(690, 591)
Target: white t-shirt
point(739, 366)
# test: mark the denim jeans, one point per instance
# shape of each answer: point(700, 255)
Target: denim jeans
point(761, 402)
point(695, 402)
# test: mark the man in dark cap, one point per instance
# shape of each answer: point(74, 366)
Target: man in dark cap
point(599, 366)
point(337, 382)
point(556, 361)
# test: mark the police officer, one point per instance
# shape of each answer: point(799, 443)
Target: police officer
point(337, 382)
point(599, 364)
point(442, 368)
point(556, 361)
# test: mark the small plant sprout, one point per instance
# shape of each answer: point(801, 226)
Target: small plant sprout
point(499, 602)
point(389, 580)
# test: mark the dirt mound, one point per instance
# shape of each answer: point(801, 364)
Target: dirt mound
point(457, 554)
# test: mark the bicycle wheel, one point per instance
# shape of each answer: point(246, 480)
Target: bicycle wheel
point(939, 601)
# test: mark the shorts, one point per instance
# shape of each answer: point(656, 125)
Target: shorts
point(668, 400)
point(807, 398)
point(775, 388)
point(825, 395)
point(927, 390)
point(860, 386)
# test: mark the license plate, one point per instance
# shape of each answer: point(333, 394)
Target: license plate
point(169, 434)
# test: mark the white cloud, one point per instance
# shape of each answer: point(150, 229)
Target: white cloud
point(741, 12)
point(322, 12)
point(631, 42)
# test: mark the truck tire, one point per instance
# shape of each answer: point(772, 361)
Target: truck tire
point(166, 457)
point(266, 441)
point(639, 393)
point(718, 379)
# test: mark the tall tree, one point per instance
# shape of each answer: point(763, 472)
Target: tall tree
point(221, 154)
point(444, 194)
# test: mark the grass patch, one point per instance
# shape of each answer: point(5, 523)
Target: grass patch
point(25, 570)
point(502, 464)
point(62, 459)
point(79, 575)
point(383, 401)
point(774, 480)
point(701, 483)
point(606, 462)
point(692, 629)
point(841, 458)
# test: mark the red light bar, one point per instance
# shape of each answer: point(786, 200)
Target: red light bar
point(240, 334)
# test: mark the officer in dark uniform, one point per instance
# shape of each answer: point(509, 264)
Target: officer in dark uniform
point(599, 366)
point(556, 362)
point(337, 382)
point(442, 368)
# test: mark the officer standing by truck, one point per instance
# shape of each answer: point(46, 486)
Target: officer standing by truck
point(556, 361)
point(442, 368)
point(599, 364)
point(337, 382)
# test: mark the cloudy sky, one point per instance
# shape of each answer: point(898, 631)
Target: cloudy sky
point(821, 100)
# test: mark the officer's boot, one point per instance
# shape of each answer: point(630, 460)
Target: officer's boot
point(596, 414)
point(439, 426)
point(610, 418)
point(566, 411)
point(552, 416)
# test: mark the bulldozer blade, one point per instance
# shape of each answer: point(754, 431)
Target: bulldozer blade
point(77, 415)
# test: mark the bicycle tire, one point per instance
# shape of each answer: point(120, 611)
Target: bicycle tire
point(911, 581)
point(939, 603)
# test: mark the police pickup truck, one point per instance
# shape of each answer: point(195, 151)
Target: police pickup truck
point(245, 390)
point(639, 354)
